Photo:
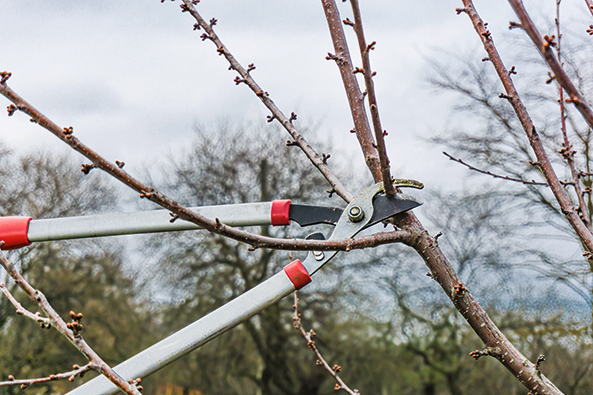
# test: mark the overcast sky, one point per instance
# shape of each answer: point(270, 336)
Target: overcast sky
point(134, 80)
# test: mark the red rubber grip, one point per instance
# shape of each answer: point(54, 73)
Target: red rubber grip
point(13, 232)
point(297, 274)
point(280, 211)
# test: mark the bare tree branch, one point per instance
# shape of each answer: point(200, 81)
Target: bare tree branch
point(70, 376)
point(277, 114)
point(353, 93)
point(532, 182)
point(372, 97)
point(512, 96)
point(44, 321)
point(71, 332)
point(544, 45)
point(590, 5)
point(567, 152)
point(308, 335)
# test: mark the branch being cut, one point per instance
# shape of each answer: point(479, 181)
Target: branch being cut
point(308, 335)
point(255, 240)
point(73, 335)
point(248, 80)
point(512, 96)
point(372, 97)
point(544, 45)
point(532, 182)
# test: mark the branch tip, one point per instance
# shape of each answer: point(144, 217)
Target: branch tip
point(514, 25)
point(4, 76)
point(477, 354)
point(86, 168)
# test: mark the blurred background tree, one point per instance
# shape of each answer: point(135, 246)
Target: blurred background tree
point(80, 276)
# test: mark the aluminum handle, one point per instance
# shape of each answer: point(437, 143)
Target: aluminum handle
point(247, 214)
point(194, 335)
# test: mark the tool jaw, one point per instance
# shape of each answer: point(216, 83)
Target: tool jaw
point(360, 214)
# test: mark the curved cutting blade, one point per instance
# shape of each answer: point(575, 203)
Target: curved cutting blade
point(387, 206)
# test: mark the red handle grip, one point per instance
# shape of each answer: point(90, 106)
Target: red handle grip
point(297, 274)
point(280, 212)
point(13, 232)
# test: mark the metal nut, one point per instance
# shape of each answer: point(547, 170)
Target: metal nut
point(355, 214)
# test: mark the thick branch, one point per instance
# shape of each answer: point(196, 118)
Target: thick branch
point(534, 140)
point(73, 336)
point(501, 348)
point(544, 45)
point(353, 93)
point(263, 96)
point(372, 97)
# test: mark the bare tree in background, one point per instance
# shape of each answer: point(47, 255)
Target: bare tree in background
point(369, 131)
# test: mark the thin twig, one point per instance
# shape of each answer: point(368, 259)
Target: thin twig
point(21, 310)
point(277, 114)
point(532, 182)
point(25, 383)
point(372, 97)
point(513, 98)
point(73, 335)
point(567, 151)
point(353, 93)
point(308, 335)
point(544, 45)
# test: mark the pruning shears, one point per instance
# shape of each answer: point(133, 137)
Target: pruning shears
point(370, 207)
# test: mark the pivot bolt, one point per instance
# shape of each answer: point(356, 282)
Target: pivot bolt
point(318, 255)
point(355, 214)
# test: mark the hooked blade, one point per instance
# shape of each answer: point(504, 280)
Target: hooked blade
point(387, 206)
point(306, 215)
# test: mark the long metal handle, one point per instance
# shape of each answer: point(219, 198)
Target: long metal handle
point(196, 334)
point(247, 214)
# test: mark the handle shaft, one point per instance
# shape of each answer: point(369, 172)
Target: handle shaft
point(247, 214)
point(193, 336)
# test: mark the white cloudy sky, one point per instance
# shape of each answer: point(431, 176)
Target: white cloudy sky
point(134, 79)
